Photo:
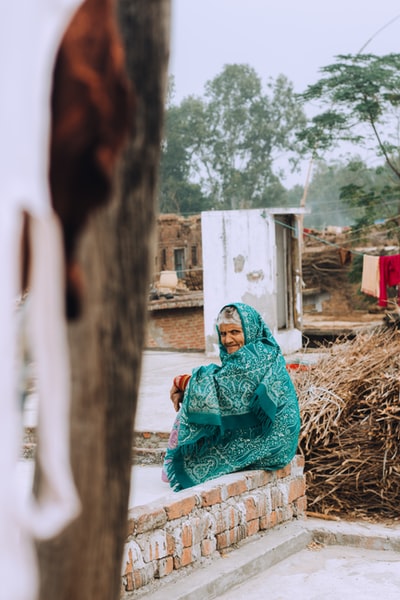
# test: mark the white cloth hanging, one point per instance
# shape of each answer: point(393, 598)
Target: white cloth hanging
point(30, 33)
point(370, 275)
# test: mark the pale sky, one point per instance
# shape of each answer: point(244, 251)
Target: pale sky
point(292, 37)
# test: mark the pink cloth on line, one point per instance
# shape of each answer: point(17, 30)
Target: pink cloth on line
point(389, 273)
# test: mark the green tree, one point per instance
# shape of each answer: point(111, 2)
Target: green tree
point(179, 192)
point(374, 193)
point(360, 100)
point(351, 193)
point(227, 150)
point(324, 200)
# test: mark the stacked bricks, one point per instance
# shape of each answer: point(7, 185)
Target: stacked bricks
point(186, 528)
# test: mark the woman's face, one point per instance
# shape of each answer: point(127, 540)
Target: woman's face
point(232, 336)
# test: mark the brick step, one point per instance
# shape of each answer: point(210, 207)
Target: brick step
point(148, 456)
point(148, 447)
point(151, 439)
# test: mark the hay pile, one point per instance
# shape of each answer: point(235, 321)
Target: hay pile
point(350, 438)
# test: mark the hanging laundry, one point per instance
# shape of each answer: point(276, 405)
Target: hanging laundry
point(389, 272)
point(370, 282)
point(345, 256)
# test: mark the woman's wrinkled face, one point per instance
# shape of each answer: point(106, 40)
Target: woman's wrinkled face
point(232, 336)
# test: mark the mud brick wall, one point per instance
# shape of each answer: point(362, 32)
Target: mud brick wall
point(185, 528)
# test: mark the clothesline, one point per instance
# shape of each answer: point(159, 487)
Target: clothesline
point(379, 272)
point(319, 239)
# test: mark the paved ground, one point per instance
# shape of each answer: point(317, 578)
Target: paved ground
point(155, 411)
point(281, 565)
point(146, 485)
point(302, 571)
point(288, 563)
point(329, 573)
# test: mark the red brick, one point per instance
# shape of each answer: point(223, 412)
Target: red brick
point(211, 497)
point(187, 537)
point(223, 540)
point(269, 521)
point(301, 505)
point(297, 489)
point(253, 527)
point(237, 534)
point(208, 547)
point(236, 488)
point(227, 519)
point(129, 563)
point(279, 515)
point(256, 479)
point(170, 544)
point(200, 527)
point(251, 509)
point(142, 577)
point(180, 508)
point(155, 546)
point(129, 585)
point(228, 538)
point(179, 328)
point(145, 518)
point(165, 566)
point(276, 498)
point(285, 472)
point(185, 559)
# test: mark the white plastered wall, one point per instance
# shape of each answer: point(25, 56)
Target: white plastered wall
point(239, 263)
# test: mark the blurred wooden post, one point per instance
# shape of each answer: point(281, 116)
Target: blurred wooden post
point(116, 254)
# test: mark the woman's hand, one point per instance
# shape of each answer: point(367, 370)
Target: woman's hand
point(176, 396)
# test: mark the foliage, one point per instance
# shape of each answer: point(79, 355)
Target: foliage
point(351, 193)
point(376, 199)
point(327, 207)
point(361, 96)
point(359, 101)
point(183, 125)
point(223, 150)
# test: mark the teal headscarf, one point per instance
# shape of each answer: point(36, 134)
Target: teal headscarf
point(240, 415)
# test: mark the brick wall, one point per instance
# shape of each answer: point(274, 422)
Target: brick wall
point(177, 233)
point(188, 527)
point(176, 329)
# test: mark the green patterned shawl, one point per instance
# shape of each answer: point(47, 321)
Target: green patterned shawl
point(241, 415)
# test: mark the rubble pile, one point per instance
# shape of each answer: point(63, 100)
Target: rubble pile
point(350, 437)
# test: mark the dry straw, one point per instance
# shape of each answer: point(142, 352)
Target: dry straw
point(350, 438)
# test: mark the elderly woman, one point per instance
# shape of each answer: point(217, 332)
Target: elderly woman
point(241, 415)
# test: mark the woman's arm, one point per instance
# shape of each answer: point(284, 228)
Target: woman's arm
point(178, 389)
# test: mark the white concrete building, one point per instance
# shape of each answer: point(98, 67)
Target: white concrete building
point(254, 256)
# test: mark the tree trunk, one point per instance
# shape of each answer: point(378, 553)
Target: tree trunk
point(116, 253)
